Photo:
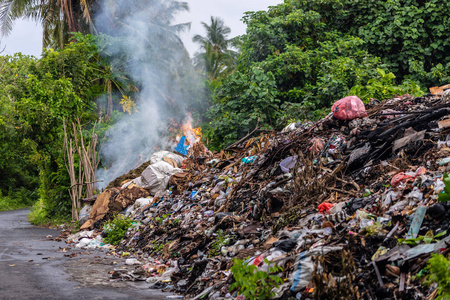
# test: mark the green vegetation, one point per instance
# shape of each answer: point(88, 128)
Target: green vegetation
point(157, 247)
point(254, 284)
point(216, 57)
point(116, 229)
point(298, 57)
point(220, 241)
point(428, 238)
point(174, 222)
point(22, 198)
point(35, 97)
point(445, 195)
point(384, 87)
point(162, 218)
point(439, 272)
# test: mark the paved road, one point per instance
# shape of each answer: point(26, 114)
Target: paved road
point(34, 267)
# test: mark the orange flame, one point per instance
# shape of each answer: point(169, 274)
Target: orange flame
point(193, 135)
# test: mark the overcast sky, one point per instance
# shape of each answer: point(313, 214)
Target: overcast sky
point(27, 35)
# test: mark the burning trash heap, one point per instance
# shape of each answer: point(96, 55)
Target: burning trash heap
point(349, 207)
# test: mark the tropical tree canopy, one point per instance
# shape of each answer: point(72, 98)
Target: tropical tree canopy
point(58, 17)
point(216, 56)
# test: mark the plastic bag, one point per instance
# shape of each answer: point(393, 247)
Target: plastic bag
point(84, 214)
point(349, 108)
point(164, 155)
point(181, 147)
point(249, 159)
point(400, 178)
point(325, 207)
point(288, 163)
point(304, 266)
point(156, 177)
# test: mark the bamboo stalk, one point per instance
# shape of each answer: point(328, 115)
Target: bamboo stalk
point(82, 183)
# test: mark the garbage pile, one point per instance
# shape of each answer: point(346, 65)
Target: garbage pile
point(350, 207)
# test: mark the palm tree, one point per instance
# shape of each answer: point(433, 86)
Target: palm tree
point(146, 40)
point(58, 17)
point(216, 57)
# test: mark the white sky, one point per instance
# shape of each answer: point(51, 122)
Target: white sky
point(26, 36)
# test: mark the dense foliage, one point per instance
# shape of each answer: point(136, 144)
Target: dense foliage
point(315, 52)
point(216, 56)
point(59, 18)
point(35, 97)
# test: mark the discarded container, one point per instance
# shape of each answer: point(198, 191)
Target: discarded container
point(444, 161)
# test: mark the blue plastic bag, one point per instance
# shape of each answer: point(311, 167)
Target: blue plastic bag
point(181, 147)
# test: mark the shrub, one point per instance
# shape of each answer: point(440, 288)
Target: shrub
point(254, 284)
point(439, 268)
point(116, 228)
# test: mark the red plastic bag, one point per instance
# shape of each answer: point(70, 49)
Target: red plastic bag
point(400, 178)
point(325, 207)
point(349, 108)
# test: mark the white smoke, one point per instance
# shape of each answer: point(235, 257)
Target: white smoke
point(145, 42)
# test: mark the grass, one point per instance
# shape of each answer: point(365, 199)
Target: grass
point(39, 216)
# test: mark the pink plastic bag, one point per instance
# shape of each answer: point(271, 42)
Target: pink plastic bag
point(349, 108)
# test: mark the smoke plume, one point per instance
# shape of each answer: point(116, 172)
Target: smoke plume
point(144, 44)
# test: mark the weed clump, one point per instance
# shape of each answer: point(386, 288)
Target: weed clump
point(116, 228)
point(254, 284)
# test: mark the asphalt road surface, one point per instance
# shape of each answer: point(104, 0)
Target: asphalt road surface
point(35, 266)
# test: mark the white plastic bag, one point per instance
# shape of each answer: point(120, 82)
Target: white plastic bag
point(156, 177)
point(160, 155)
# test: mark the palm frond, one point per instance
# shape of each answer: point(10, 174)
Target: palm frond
point(6, 16)
point(86, 11)
point(181, 27)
